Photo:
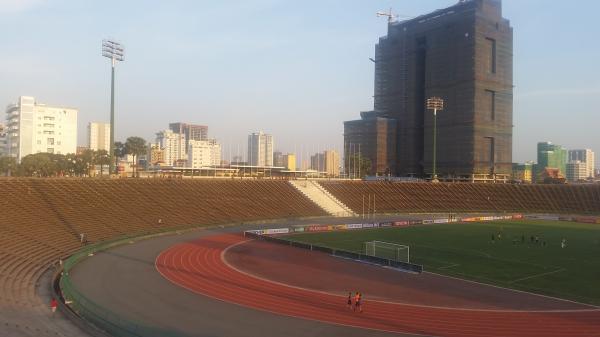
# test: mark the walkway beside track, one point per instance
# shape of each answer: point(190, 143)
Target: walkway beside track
point(124, 279)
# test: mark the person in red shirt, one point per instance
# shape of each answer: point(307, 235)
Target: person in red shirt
point(357, 303)
point(53, 305)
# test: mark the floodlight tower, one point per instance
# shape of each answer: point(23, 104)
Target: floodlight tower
point(435, 104)
point(114, 51)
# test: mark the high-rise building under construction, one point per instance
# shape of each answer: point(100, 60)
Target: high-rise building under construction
point(462, 54)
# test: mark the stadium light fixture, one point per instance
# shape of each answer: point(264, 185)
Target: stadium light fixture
point(114, 51)
point(435, 104)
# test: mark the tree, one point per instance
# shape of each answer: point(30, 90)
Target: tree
point(80, 165)
point(358, 166)
point(102, 159)
point(63, 167)
point(118, 152)
point(39, 165)
point(88, 158)
point(135, 146)
point(7, 165)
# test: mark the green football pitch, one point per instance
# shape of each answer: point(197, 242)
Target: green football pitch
point(467, 251)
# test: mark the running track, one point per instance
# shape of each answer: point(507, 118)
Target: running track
point(199, 266)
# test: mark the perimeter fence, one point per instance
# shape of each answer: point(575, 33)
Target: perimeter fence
point(104, 321)
point(415, 268)
point(273, 235)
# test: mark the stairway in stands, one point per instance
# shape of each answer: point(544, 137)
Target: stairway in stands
point(317, 194)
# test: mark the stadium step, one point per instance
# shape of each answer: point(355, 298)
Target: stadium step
point(317, 194)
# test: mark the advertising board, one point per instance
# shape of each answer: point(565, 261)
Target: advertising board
point(318, 228)
point(402, 223)
point(272, 231)
point(583, 219)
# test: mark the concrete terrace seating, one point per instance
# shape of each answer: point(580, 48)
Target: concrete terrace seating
point(42, 219)
point(395, 197)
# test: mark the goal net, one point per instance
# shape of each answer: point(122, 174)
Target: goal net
point(387, 250)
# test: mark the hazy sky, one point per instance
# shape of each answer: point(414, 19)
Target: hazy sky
point(295, 69)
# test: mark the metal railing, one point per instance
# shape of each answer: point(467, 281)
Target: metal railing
point(101, 317)
point(416, 268)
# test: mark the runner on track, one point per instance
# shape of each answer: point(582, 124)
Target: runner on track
point(357, 304)
point(350, 300)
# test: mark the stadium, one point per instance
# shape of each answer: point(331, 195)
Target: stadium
point(249, 257)
point(420, 215)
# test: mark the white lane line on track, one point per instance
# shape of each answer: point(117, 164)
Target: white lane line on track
point(218, 257)
point(272, 311)
point(592, 309)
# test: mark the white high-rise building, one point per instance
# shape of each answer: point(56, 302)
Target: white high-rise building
point(34, 128)
point(203, 153)
point(585, 156)
point(99, 136)
point(2, 140)
point(173, 146)
point(260, 149)
point(576, 171)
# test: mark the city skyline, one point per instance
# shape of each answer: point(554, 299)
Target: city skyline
point(298, 87)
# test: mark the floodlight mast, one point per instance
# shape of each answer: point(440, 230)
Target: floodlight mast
point(114, 51)
point(435, 104)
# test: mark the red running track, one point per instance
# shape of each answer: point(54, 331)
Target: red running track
point(199, 267)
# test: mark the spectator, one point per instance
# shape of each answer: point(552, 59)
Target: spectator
point(53, 305)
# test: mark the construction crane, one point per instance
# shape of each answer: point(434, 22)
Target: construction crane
point(391, 16)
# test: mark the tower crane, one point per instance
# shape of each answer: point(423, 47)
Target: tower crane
point(390, 15)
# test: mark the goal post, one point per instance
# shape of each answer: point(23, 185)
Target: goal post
point(387, 250)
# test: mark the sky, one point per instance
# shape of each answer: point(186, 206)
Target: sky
point(295, 69)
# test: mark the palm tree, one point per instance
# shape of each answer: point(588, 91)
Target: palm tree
point(119, 151)
point(135, 146)
point(88, 157)
point(102, 159)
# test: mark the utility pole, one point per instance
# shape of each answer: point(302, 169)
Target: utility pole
point(359, 162)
